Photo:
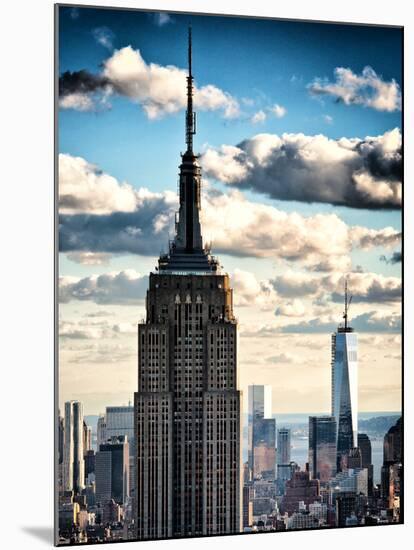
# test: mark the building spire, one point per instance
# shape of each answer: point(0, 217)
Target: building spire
point(347, 304)
point(190, 119)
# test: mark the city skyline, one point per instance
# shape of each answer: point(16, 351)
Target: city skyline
point(289, 294)
point(258, 246)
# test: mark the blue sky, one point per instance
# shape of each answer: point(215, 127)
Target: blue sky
point(257, 63)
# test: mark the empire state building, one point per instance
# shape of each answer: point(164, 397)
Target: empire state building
point(187, 408)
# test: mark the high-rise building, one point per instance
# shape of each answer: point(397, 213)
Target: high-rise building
point(345, 506)
point(112, 471)
point(120, 421)
point(391, 470)
point(73, 460)
point(283, 446)
point(364, 444)
point(322, 447)
point(261, 432)
point(101, 431)
point(284, 469)
point(187, 408)
point(354, 458)
point(87, 437)
point(345, 384)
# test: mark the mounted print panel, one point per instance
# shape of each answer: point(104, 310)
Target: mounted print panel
point(229, 195)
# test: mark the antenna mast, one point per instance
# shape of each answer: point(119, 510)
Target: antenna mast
point(190, 120)
point(347, 304)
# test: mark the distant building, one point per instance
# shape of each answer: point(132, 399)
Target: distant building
point(322, 447)
point(247, 506)
point(87, 438)
point(101, 431)
point(73, 460)
point(364, 443)
point(391, 471)
point(111, 512)
point(261, 432)
point(345, 385)
point(112, 471)
point(351, 480)
point(283, 446)
point(120, 421)
point(345, 506)
point(354, 458)
point(89, 458)
point(299, 489)
point(302, 520)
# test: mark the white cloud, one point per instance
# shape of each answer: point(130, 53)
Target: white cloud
point(278, 110)
point(124, 288)
point(160, 90)
point(258, 117)
point(367, 89)
point(293, 308)
point(78, 101)
point(249, 291)
point(360, 173)
point(85, 189)
point(89, 258)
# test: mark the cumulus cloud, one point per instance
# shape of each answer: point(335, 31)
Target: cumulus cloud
point(160, 90)
point(100, 215)
point(372, 321)
point(85, 189)
point(124, 288)
point(292, 308)
point(278, 110)
point(249, 291)
point(364, 287)
point(365, 238)
point(367, 89)
point(360, 173)
point(258, 117)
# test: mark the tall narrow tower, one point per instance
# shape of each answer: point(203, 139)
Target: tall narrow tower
point(345, 384)
point(187, 408)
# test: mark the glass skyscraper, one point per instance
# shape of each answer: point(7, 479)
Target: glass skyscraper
point(322, 447)
point(261, 432)
point(345, 385)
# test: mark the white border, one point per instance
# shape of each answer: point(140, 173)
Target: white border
point(26, 274)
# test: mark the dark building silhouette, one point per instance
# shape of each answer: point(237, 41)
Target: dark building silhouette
point(187, 408)
point(112, 471)
point(364, 444)
point(346, 506)
point(89, 458)
point(391, 471)
point(354, 458)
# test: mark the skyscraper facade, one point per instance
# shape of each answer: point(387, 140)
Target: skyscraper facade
point(344, 385)
point(284, 470)
point(364, 444)
point(283, 446)
point(112, 471)
point(73, 459)
point(322, 447)
point(261, 432)
point(187, 408)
